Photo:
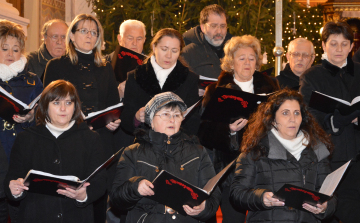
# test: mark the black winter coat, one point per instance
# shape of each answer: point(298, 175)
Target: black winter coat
point(77, 152)
point(142, 85)
point(141, 161)
point(348, 193)
point(215, 136)
point(288, 79)
point(199, 54)
point(340, 83)
point(37, 61)
point(256, 175)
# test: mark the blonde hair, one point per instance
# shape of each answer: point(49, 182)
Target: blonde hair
point(70, 47)
point(8, 28)
point(238, 42)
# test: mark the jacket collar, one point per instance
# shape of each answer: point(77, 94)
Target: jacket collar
point(44, 132)
point(44, 55)
point(146, 78)
point(335, 70)
point(278, 151)
point(287, 72)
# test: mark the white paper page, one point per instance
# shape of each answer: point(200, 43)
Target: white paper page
point(92, 114)
point(70, 178)
point(31, 105)
point(332, 180)
point(355, 100)
point(207, 78)
point(336, 99)
point(13, 98)
point(191, 108)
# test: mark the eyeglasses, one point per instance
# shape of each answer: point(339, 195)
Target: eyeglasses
point(297, 55)
point(215, 26)
point(168, 116)
point(56, 38)
point(85, 32)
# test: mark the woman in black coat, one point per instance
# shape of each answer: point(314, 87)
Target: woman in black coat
point(84, 66)
point(338, 77)
point(240, 64)
point(164, 147)
point(60, 144)
point(282, 144)
point(163, 71)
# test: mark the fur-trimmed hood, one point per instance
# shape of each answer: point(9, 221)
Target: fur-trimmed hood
point(146, 78)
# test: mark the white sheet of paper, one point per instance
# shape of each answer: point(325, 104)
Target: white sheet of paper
point(332, 180)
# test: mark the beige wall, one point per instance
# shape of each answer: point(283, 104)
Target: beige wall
point(32, 12)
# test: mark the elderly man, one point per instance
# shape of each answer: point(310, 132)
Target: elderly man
point(205, 43)
point(300, 55)
point(53, 34)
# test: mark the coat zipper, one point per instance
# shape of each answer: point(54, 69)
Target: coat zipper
point(156, 168)
point(182, 166)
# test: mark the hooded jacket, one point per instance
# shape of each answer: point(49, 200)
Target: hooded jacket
point(77, 152)
point(256, 175)
point(199, 55)
point(341, 83)
point(151, 154)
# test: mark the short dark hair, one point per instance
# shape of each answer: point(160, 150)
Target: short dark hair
point(214, 8)
point(56, 90)
point(337, 28)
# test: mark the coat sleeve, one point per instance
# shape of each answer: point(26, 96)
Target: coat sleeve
point(130, 99)
point(124, 194)
point(17, 167)
point(349, 196)
point(242, 191)
point(97, 186)
point(206, 172)
point(113, 94)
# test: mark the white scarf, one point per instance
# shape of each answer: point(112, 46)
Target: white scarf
point(325, 57)
point(246, 86)
point(83, 51)
point(161, 73)
point(8, 72)
point(56, 131)
point(294, 146)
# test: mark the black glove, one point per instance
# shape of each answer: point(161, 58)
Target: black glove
point(341, 121)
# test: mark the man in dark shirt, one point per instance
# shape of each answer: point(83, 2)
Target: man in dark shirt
point(53, 33)
point(300, 56)
point(205, 42)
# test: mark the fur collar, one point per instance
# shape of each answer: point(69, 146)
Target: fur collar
point(146, 78)
point(334, 70)
point(262, 83)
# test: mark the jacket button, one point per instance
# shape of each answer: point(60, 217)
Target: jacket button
point(57, 161)
point(59, 215)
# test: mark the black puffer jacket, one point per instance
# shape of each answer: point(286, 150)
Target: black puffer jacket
point(141, 160)
point(340, 83)
point(215, 136)
point(199, 55)
point(256, 175)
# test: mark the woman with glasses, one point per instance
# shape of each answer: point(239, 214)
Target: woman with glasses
point(25, 86)
point(339, 77)
point(241, 65)
point(164, 70)
point(163, 147)
point(84, 66)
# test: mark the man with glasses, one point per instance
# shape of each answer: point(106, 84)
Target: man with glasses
point(53, 34)
point(205, 43)
point(300, 56)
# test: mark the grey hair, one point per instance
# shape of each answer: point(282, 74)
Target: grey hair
point(48, 24)
point(299, 41)
point(131, 23)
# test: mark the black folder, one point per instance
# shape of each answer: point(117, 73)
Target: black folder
point(101, 118)
point(125, 60)
point(227, 105)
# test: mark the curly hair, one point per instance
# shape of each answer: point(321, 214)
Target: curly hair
point(261, 122)
point(236, 43)
point(8, 28)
